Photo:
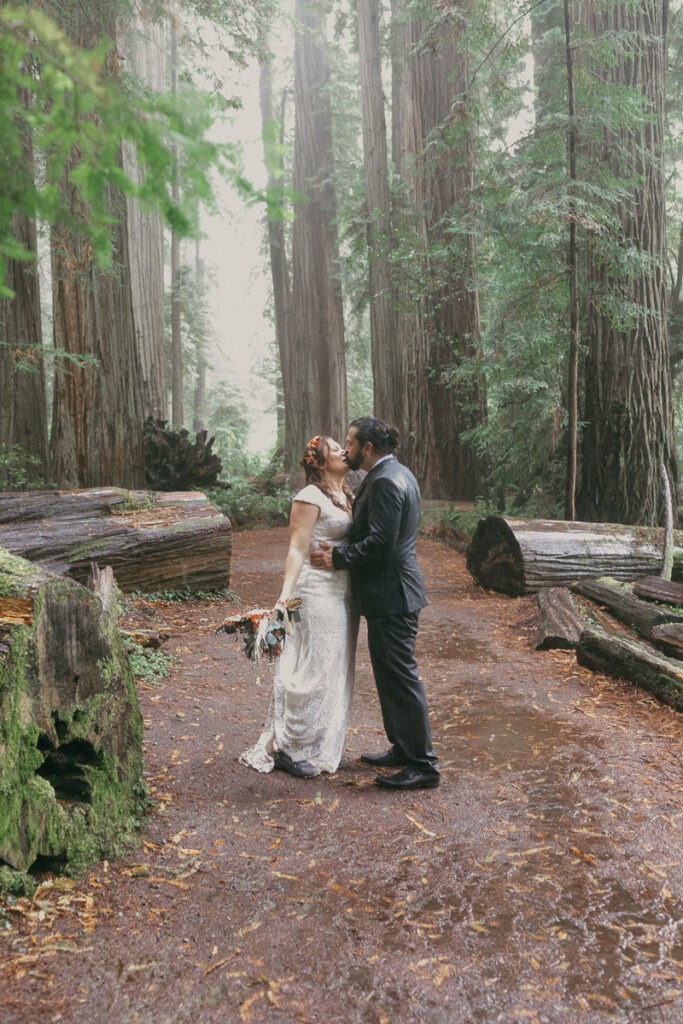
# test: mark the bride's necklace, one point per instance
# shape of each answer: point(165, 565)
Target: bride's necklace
point(336, 496)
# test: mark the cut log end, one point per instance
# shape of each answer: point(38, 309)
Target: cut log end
point(494, 557)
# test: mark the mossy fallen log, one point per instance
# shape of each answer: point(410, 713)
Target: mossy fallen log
point(642, 616)
point(520, 556)
point(71, 788)
point(153, 542)
point(624, 657)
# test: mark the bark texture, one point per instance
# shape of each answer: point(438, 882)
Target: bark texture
point(145, 50)
point(71, 787)
point(23, 410)
point(434, 152)
point(152, 541)
point(519, 556)
point(316, 358)
point(628, 415)
point(387, 358)
point(97, 412)
point(272, 133)
point(626, 658)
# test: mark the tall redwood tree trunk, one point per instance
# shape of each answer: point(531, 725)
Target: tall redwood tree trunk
point(316, 336)
point(628, 415)
point(145, 50)
point(434, 153)
point(23, 410)
point(387, 362)
point(272, 132)
point(97, 411)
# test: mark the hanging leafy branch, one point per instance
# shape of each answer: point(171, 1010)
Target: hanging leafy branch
point(74, 109)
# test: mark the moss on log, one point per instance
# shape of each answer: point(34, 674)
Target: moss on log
point(623, 657)
point(71, 788)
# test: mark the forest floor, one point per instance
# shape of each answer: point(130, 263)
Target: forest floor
point(542, 883)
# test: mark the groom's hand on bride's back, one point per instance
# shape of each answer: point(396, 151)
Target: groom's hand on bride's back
point(321, 558)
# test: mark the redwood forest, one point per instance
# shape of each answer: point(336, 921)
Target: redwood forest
point(238, 238)
point(471, 220)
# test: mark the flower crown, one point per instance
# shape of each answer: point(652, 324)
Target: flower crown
point(311, 451)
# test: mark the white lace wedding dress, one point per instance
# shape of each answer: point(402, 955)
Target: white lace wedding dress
point(313, 684)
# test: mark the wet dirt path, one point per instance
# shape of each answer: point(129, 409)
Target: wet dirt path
point(542, 883)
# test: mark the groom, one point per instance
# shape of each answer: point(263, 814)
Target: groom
point(388, 589)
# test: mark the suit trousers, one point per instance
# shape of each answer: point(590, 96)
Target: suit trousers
point(402, 697)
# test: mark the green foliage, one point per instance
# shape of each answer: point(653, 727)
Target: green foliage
point(57, 101)
point(14, 884)
point(256, 502)
point(148, 665)
point(228, 422)
point(461, 523)
point(14, 465)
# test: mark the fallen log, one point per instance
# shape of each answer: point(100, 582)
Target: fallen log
point(623, 605)
point(668, 638)
point(520, 556)
point(559, 623)
point(654, 588)
point(152, 541)
point(71, 787)
point(625, 658)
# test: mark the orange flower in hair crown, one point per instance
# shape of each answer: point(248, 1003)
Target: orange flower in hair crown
point(311, 451)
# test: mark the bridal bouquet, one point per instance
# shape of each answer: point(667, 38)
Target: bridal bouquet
point(264, 631)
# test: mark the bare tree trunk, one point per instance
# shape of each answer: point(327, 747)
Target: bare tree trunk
point(410, 274)
point(434, 146)
point(387, 364)
point(317, 327)
point(97, 412)
point(629, 412)
point(145, 48)
point(23, 411)
point(574, 323)
point(199, 397)
point(279, 267)
point(177, 404)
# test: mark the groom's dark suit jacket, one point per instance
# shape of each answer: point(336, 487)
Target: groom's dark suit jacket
point(385, 576)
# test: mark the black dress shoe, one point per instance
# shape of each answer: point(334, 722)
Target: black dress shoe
point(389, 759)
point(409, 778)
point(301, 769)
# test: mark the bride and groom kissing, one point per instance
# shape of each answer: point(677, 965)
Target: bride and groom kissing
point(350, 557)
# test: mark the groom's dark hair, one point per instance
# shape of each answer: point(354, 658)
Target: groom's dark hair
point(382, 437)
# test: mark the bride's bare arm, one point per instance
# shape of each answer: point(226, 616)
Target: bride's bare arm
point(302, 522)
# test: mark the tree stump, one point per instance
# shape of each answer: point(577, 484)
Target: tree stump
point(519, 556)
point(71, 788)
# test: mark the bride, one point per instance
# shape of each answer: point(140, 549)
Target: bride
point(305, 729)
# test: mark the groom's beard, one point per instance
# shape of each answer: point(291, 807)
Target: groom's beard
point(354, 463)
